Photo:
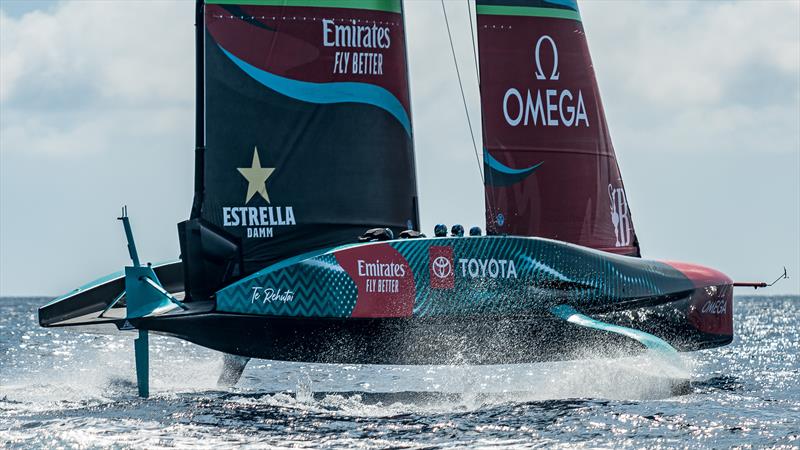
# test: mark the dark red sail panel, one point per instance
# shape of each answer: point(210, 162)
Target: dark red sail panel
point(550, 167)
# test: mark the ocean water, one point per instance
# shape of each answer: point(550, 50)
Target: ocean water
point(63, 389)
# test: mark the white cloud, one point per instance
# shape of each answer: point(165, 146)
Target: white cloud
point(87, 74)
point(702, 76)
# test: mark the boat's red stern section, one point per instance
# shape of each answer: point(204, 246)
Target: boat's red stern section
point(711, 308)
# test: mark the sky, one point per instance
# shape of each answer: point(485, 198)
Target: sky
point(702, 100)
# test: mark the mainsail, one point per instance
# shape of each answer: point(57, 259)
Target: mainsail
point(307, 124)
point(550, 167)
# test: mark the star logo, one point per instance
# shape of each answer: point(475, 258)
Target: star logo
point(256, 177)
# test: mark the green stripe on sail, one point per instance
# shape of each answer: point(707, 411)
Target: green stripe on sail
point(375, 5)
point(496, 10)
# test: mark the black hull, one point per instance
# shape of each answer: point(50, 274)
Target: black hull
point(410, 341)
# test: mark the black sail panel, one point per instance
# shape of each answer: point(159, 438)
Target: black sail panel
point(307, 124)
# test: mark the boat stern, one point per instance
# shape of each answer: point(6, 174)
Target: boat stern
point(710, 309)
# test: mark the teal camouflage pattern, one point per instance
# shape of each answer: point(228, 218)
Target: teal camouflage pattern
point(480, 279)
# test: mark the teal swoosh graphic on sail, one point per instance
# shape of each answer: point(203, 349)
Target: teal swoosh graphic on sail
point(325, 93)
point(498, 174)
point(571, 4)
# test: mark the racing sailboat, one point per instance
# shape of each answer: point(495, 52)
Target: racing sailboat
point(305, 141)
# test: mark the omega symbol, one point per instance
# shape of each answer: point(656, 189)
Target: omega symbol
point(539, 72)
